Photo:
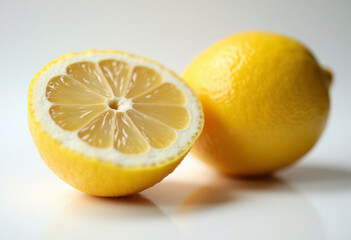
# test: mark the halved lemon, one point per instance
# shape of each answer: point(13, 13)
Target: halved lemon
point(110, 123)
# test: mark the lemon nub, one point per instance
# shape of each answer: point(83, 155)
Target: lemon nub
point(113, 104)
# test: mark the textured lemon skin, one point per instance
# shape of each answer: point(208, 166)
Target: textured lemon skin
point(92, 175)
point(265, 100)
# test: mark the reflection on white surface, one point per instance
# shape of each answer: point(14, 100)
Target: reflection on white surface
point(264, 209)
point(132, 217)
point(214, 207)
point(322, 179)
point(171, 32)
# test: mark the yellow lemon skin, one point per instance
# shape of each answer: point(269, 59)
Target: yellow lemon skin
point(92, 175)
point(265, 101)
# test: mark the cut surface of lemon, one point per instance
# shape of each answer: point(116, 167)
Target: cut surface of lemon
point(113, 109)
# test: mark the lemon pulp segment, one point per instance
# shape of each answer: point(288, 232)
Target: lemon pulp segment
point(112, 104)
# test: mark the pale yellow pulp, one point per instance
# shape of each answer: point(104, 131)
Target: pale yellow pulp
point(112, 104)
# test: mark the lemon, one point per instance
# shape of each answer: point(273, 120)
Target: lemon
point(110, 123)
point(265, 100)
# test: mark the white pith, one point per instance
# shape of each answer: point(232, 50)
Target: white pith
point(70, 139)
point(124, 104)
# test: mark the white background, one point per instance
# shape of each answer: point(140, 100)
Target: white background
point(308, 201)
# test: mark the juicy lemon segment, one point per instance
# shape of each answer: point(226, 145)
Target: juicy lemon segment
point(99, 132)
point(143, 79)
point(116, 83)
point(174, 116)
point(156, 133)
point(88, 74)
point(110, 123)
point(117, 74)
point(73, 117)
point(164, 94)
point(128, 139)
point(65, 90)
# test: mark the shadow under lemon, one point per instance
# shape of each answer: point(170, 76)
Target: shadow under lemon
point(132, 217)
point(314, 178)
point(222, 207)
point(266, 208)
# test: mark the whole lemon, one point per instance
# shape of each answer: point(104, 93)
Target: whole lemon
point(265, 100)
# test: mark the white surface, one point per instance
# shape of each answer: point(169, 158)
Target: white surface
point(309, 201)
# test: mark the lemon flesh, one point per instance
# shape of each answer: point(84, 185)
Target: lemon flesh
point(265, 101)
point(111, 123)
point(103, 112)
